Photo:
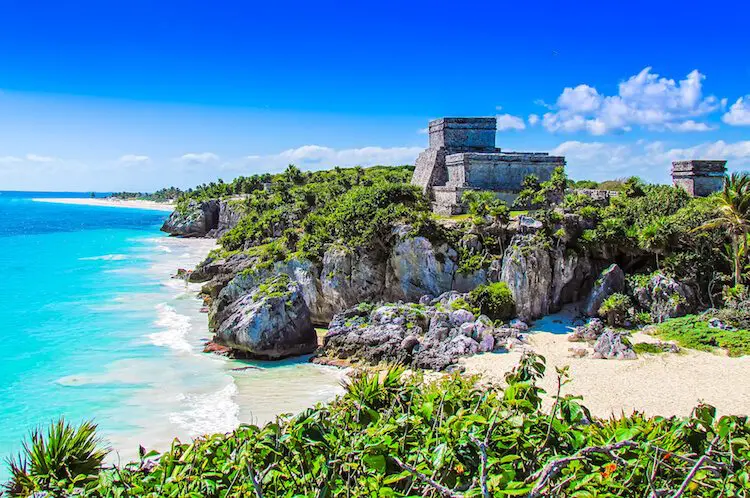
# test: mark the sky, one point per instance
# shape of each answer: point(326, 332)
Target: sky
point(138, 95)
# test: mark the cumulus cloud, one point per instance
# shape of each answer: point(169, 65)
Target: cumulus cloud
point(198, 158)
point(533, 119)
point(34, 158)
point(739, 112)
point(650, 160)
point(509, 122)
point(645, 99)
point(134, 159)
point(365, 156)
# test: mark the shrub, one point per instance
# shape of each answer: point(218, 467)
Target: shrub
point(494, 300)
point(64, 457)
point(615, 309)
point(693, 331)
point(394, 435)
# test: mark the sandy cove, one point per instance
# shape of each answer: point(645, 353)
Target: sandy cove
point(107, 202)
point(664, 384)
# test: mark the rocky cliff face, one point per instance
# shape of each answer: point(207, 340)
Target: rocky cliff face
point(543, 278)
point(202, 219)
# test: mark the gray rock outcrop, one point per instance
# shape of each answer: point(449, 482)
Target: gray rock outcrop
point(195, 220)
point(611, 345)
point(431, 336)
point(202, 219)
point(269, 324)
point(665, 297)
point(611, 281)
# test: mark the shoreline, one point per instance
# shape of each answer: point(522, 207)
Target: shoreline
point(108, 202)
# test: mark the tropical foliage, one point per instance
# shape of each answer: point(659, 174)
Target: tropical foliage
point(63, 458)
point(393, 435)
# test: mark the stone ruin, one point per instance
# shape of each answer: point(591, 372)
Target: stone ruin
point(462, 156)
point(699, 177)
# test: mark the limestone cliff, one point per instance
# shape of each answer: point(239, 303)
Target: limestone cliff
point(203, 219)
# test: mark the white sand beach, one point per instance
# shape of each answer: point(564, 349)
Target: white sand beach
point(664, 384)
point(108, 202)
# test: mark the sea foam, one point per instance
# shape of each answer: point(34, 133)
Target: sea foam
point(208, 413)
point(105, 257)
point(174, 329)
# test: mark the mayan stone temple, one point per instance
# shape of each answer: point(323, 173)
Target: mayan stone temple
point(699, 177)
point(462, 156)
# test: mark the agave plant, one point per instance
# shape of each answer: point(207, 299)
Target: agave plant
point(65, 457)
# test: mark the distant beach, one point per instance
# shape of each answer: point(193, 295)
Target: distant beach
point(110, 202)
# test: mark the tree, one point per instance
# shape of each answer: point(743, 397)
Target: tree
point(654, 237)
point(733, 215)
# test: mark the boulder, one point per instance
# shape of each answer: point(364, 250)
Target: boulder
point(611, 281)
point(420, 336)
point(665, 297)
point(272, 322)
point(195, 220)
point(611, 346)
point(588, 332)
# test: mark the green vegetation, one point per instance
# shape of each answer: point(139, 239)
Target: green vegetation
point(693, 331)
point(649, 347)
point(395, 436)
point(64, 458)
point(494, 300)
point(616, 309)
point(303, 213)
point(484, 205)
point(733, 215)
point(161, 195)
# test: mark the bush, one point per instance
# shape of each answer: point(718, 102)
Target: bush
point(494, 300)
point(615, 309)
point(692, 331)
point(65, 457)
point(393, 435)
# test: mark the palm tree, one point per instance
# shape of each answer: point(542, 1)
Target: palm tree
point(654, 237)
point(733, 215)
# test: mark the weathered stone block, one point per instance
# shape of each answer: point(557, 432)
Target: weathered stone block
point(699, 177)
point(463, 133)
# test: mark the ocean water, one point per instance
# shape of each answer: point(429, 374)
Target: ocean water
point(92, 326)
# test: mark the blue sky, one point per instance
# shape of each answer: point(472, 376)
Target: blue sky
point(137, 95)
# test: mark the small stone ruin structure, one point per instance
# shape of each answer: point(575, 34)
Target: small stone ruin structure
point(699, 177)
point(462, 156)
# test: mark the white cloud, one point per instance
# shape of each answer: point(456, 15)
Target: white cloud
point(650, 160)
point(533, 119)
point(198, 158)
point(509, 122)
point(739, 112)
point(134, 159)
point(645, 99)
point(34, 158)
point(10, 159)
point(688, 125)
point(423, 131)
point(329, 157)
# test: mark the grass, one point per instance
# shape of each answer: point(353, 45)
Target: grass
point(648, 347)
point(517, 213)
point(693, 332)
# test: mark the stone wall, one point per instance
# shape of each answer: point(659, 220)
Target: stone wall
point(463, 134)
point(503, 172)
point(699, 177)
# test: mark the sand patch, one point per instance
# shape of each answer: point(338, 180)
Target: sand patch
point(663, 384)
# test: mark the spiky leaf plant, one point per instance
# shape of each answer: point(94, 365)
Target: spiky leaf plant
point(65, 457)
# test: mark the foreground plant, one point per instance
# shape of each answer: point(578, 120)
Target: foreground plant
point(64, 458)
point(396, 435)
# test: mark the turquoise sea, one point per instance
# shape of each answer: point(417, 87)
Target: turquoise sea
point(93, 326)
